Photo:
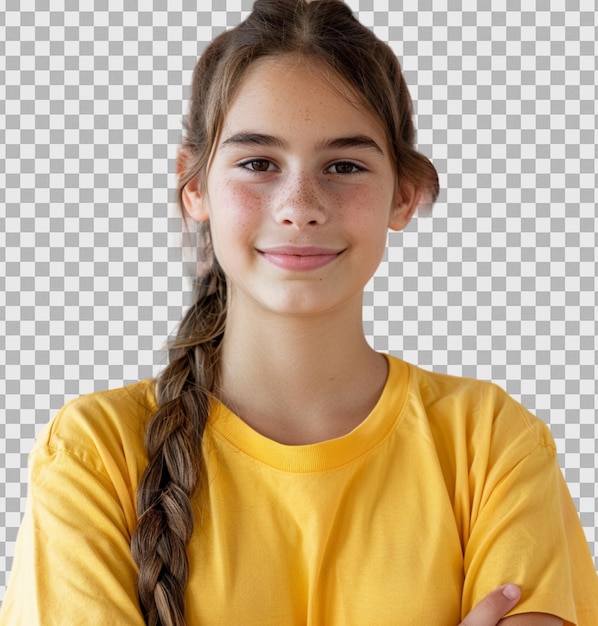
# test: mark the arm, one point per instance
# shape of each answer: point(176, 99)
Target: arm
point(524, 527)
point(73, 561)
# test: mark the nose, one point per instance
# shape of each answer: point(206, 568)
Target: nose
point(300, 203)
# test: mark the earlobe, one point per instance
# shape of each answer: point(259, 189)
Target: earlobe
point(405, 204)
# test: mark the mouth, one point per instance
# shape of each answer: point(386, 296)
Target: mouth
point(299, 258)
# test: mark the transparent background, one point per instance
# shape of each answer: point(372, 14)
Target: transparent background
point(499, 283)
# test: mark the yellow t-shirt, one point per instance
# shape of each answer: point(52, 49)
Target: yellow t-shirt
point(448, 489)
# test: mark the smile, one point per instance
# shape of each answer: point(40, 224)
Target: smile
point(299, 258)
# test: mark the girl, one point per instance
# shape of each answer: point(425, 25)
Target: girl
point(280, 471)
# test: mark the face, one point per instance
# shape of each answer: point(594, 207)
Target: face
point(300, 193)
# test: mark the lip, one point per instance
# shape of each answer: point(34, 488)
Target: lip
point(299, 258)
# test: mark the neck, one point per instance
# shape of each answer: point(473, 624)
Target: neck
point(300, 379)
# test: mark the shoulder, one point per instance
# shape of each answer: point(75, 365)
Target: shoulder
point(477, 414)
point(100, 426)
point(456, 393)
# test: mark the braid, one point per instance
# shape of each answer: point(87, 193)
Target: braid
point(173, 445)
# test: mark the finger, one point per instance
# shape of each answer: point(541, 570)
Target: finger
point(490, 610)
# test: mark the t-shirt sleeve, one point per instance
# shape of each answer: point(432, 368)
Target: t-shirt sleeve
point(73, 562)
point(525, 529)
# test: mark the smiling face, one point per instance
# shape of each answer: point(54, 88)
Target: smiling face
point(300, 192)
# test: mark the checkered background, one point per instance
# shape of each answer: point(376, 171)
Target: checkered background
point(499, 283)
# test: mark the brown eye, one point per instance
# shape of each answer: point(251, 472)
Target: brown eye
point(257, 165)
point(345, 167)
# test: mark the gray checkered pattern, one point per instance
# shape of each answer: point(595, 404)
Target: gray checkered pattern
point(499, 283)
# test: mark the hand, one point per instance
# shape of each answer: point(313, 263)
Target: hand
point(490, 610)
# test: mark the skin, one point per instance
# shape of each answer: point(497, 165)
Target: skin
point(279, 177)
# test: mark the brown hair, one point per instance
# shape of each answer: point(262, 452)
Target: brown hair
point(325, 33)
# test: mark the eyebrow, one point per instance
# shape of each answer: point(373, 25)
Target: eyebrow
point(259, 139)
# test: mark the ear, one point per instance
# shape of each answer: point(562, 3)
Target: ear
point(404, 206)
point(191, 196)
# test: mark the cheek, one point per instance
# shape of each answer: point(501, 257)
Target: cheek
point(235, 214)
point(370, 210)
point(238, 203)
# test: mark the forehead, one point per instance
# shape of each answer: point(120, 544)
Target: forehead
point(291, 94)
